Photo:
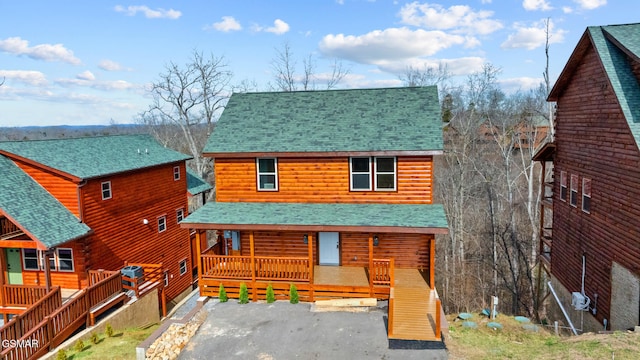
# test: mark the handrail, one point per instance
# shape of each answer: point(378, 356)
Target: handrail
point(21, 295)
point(266, 267)
point(381, 271)
point(22, 323)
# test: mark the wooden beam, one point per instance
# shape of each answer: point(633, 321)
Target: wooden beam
point(2, 272)
point(253, 266)
point(317, 228)
point(18, 244)
point(310, 240)
point(199, 260)
point(432, 262)
point(371, 265)
point(47, 269)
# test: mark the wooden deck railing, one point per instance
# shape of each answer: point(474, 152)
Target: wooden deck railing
point(226, 266)
point(22, 323)
point(21, 295)
point(382, 272)
point(105, 288)
point(279, 268)
point(153, 277)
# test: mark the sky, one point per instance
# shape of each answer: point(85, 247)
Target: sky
point(75, 62)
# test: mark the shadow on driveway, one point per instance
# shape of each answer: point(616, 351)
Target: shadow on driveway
point(286, 331)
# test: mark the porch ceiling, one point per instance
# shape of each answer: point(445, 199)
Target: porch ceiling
point(390, 218)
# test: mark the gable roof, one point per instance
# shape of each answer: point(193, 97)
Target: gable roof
point(34, 210)
point(196, 184)
point(613, 45)
point(91, 157)
point(356, 120)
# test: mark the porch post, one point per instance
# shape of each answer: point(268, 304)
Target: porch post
point(371, 270)
point(253, 267)
point(311, 262)
point(199, 261)
point(47, 269)
point(432, 262)
point(2, 272)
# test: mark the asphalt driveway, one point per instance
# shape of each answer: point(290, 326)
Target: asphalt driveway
point(286, 331)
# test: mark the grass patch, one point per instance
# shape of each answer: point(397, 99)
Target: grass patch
point(121, 346)
point(514, 342)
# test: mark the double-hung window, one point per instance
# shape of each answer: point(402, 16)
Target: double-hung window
point(106, 190)
point(573, 200)
point(162, 224)
point(360, 173)
point(385, 168)
point(267, 174)
point(176, 173)
point(586, 195)
point(60, 260)
point(563, 185)
point(179, 215)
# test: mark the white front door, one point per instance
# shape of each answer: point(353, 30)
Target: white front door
point(329, 248)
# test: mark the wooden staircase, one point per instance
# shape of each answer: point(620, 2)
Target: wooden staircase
point(414, 308)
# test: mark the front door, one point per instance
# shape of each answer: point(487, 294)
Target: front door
point(329, 248)
point(14, 266)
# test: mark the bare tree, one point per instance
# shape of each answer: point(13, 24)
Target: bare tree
point(426, 76)
point(286, 77)
point(187, 101)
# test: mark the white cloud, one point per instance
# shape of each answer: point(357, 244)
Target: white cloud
point(532, 5)
point(88, 80)
point(228, 23)
point(534, 36)
point(110, 65)
point(279, 27)
point(567, 9)
point(86, 75)
point(30, 77)
point(149, 13)
point(455, 67)
point(458, 18)
point(590, 4)
point(340, 2)
point(513, 85)
point(387, 45)
point(485, 1)
point(46, 52)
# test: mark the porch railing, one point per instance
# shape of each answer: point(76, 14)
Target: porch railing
point(8, 229)
point(240, 267)
point(24, 322)
point(382, 272)
point(21, 295)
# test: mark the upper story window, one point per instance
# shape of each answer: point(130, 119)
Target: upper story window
point(574, 190)
point(379, 170)
point(176, 173)
point(106, 190)
point(183, 266)
point(360, 168)
point(563, 185)
point(267, 174)
point(586, 195)
point(385, 168)
point(179, 215)
point(162, 224)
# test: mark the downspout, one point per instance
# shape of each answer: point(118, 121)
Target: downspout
point(80, 202)
point(566, 316)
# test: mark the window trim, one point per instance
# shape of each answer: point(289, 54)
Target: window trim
point(103, 190)
point(351, 173)
point(55, 258)
point(186, 267)
point(37, 258)
point(162, 219)
point(563, 186)
point(259, 173)
point(585, 195)
point(179, 215)
point(573, 194)
point(58, 260)
point(394, 173)
point(176, 173)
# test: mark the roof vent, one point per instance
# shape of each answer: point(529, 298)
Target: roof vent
point(146, 151)
point(138, 151)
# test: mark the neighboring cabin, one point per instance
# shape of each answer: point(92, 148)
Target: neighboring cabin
point(93, 203)
point(596, 184)
point(330, 190)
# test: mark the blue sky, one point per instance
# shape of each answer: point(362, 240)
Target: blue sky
point(91, 62)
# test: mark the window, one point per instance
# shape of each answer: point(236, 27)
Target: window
point(179, 215)
point(563, 185)
point(60, 260)
point(183, 267)
point(267, 174)
point(176, 173)
point(65, 259)
point(586, 195)
point(162, 224)
point(166, 278)
point(106, 190)
point(574, 190)
point(360, 173)
point(385, 168)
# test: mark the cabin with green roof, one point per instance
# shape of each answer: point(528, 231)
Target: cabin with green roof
point(331, 191)
point(590, 228)
point(68, 206)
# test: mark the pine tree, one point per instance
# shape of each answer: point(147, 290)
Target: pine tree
point(293, 294)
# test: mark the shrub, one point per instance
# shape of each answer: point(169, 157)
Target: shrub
point(244, 294)
point(271, 297)
point(222, 294)
point(94, 338)
point(61, 355)
point(79, 346)
point(108, 330)
point(293, 294)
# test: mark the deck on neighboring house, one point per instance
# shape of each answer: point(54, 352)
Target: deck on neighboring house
point(414, 308)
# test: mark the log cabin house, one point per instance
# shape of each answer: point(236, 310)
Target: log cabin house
point(68, 206)
point(331, 191)
point(590, 222)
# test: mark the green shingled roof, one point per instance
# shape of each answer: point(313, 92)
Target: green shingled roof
point(428, 217)
point(618, 69)
point(391, 119)
point(34, 209)
point(92, 157)
point(196, 184)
